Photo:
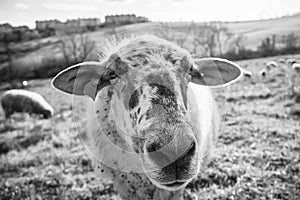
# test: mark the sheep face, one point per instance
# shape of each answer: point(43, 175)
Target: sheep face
point(153, 104)
point(150, 105)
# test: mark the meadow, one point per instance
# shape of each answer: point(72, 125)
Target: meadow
point(256, 157)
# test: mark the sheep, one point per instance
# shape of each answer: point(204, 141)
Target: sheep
point(247, 73)
point(290, 61)
point(158, 120)
point(263, 73)
point(18, 100)
point(296, 67)
point(294, 74)
point(271, 64)
point(281, 60)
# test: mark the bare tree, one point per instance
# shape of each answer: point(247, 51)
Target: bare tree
point(290, 41)
point(222, 36)
point(75, 47)
point(237, 43)
point(214, 37)
point(267, 46)
point(6, 44)
point(202, 37)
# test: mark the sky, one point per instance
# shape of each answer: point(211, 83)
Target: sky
point(25, 12)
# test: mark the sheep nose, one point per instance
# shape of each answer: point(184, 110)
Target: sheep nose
point(164, 152)
point(157, 155)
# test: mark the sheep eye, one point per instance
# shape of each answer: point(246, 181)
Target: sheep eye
point(112, 75)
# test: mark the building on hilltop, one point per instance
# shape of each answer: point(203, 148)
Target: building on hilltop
point(89, 22)
point(124, 19)
point(5, 28)
point(47, 24)
point(46, 28)
point(16, 33)
point(71, 25)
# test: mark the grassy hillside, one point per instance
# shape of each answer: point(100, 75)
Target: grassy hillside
point(257, 156)
point(47, 52)
point(255, 31)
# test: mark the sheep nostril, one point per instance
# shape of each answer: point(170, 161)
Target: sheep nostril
point(156, 155)
point(152, 147)
point(189, 152)
point(192, 149)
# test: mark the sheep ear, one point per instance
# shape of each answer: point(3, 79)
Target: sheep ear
point(82, 79)
point(215, 72)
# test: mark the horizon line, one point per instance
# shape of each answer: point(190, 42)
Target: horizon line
point(177, 21)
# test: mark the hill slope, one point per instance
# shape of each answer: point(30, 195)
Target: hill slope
point(254, 32)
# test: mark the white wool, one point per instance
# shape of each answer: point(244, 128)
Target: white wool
point(272, 64)
point(100, 144)
point(115, 45)
point(120, 164)
point(35, 97)
point(204, 114)
point(263, 72)
point(296, 67)
point(247, 73)
point(291, 61)
point(116, 165)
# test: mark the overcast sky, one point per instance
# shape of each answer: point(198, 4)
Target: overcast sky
point(25, 12)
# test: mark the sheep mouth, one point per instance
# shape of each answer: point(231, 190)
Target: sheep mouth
point(174, 184)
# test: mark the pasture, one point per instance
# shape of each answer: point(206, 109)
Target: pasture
point(256, 157)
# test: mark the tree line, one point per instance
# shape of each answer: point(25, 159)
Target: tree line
point(201, 39)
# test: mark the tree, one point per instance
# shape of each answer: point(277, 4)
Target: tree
point(222, 36)
point(6, 43)
point(201, 38)
point(213, 37)
point(290, 41)
point(237, 43)
point(75, 47)
point(267, 46)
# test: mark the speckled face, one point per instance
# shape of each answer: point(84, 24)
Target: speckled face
point(150, 105)
point(152, 111)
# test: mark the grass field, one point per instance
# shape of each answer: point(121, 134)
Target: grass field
point(257, 156)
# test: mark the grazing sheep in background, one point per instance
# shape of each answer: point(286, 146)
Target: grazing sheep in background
point(247, 73)
point(290, 61)
point(296, 67)
point(271, 64)
point(282, 60)
point(16, 100)
point(295, 78)
point(150, 98)
point(263, 73)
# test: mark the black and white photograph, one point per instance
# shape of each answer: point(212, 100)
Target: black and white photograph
point(149, 100)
